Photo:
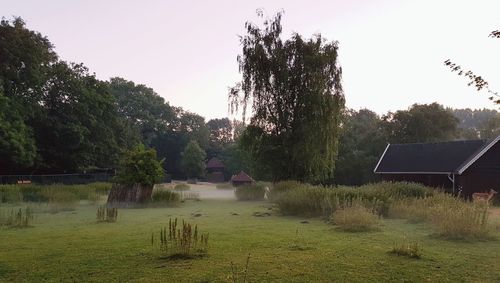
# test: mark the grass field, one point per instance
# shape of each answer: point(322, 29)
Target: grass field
point(71, 246)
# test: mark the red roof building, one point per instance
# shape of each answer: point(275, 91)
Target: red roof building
point(241, 178)
point(215, 170)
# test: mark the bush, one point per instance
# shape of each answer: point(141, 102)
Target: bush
point(224, 186)
point(250, 192)
point(140, 166)
point(182, 187)
point(355, 218)
point(165, 197)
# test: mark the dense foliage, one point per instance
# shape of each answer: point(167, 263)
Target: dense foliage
point(193, 160)
point(295, 89)
point(140, 166)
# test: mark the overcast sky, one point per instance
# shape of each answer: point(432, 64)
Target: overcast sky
point(391, 52)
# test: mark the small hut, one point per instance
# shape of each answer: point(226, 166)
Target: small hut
point(241, 178)
point(215, 171)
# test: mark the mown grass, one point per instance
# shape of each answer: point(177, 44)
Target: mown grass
point(87, 251)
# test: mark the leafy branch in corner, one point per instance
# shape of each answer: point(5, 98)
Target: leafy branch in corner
point(479, 82)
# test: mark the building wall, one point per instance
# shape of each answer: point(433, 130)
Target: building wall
point(484, 174)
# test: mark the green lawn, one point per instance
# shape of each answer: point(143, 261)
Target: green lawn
point(72, 246)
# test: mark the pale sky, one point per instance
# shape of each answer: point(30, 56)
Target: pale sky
point(391, 52)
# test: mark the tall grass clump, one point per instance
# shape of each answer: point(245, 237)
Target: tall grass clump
point(183, 242)
point(17, 218)
point(451, 217)
point(300, 199)
point(250, 192)
point(182, 187)
point(52, 193)
point(407, 249)
point(355, 217)
point(165, 197)
point(107, 214)
point(10, 194)
point(279, 188)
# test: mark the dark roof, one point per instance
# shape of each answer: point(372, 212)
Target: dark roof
point(442, 157)
point(242, 177)
point(214, 162)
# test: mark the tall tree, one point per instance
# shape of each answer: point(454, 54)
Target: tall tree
point(193, 160)
point(143, 108)
point(421, 123)
point(297, 100)
point(78, 125)
point(362, 141)
point(221, 135)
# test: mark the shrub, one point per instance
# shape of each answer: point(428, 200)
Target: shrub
point(250, 192)
point(107, 214)
point(182, 242)
point(140, 166)
point(165, 197)
point(182, 187)
point(355, 218)
point(224, 186)
point(411, 250)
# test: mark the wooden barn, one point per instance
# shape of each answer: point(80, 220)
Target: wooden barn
point(241, 178)
point(215, 170)
point(461, 167)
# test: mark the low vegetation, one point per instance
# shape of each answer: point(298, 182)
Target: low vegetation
point(16, 218)
point(107, 214)
point(407, 249)
point(182, 187)
point(253, 192)
point(355, 217)
point(299, 199)
point(182, 242)
point(357, 208)
point(52, 193)
point(165, 197)
point(451, 217)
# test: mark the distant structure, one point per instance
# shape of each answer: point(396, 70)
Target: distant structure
point(464, 167)
point(215, 171)
point(241, 178)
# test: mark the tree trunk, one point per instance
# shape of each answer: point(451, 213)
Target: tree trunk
point(127, 196)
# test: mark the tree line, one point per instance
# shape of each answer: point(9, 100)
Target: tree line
point(365, 134)
point(57, 117)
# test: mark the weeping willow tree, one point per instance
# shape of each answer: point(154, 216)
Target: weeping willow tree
point(294, 89)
